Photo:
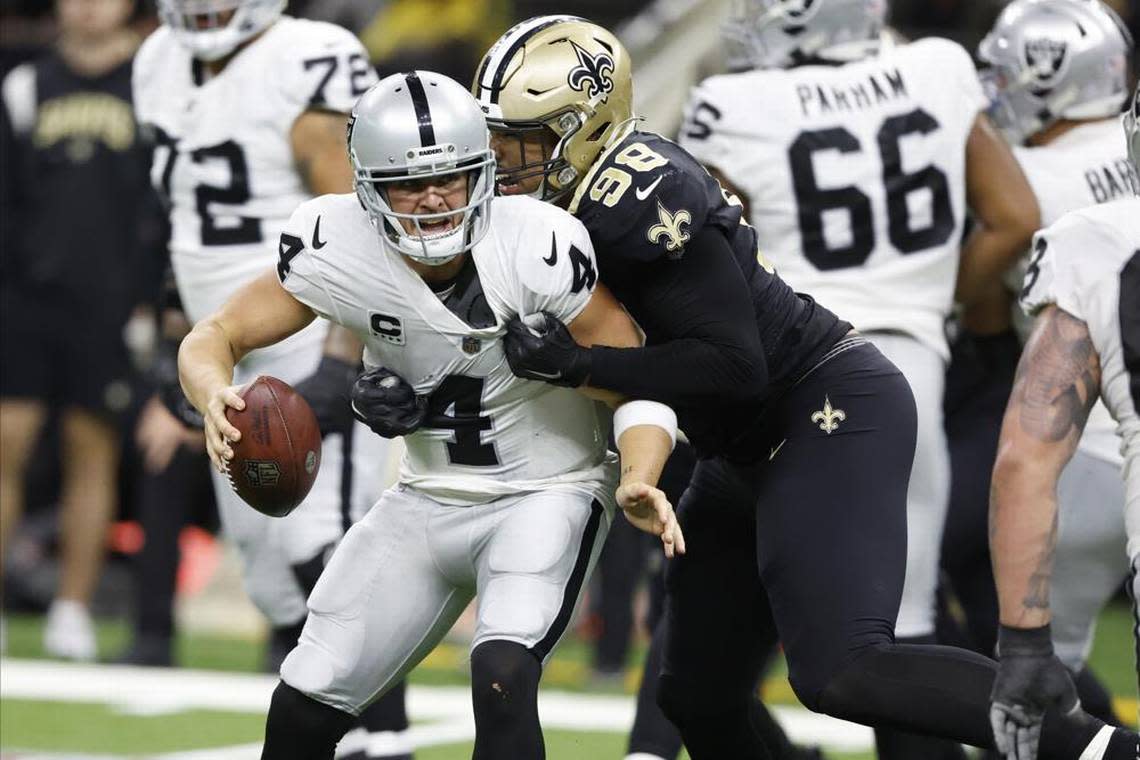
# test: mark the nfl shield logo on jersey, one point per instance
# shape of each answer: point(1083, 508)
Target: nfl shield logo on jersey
point(471, 345)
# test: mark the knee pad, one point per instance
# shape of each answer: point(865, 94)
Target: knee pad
point(502, 674)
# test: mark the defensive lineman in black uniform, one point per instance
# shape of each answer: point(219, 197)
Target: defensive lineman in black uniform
point(805, 432)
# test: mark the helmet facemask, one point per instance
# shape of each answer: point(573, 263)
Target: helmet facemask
point(422, 244)
point(213, 29)
point(1132, 135)
point(552, 135)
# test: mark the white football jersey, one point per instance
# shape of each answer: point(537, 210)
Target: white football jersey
point(488, 433)
point(855, 175)
point(1088, 264)
point(223, 157)
point(1083, 167)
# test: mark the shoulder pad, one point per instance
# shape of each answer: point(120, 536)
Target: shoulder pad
point(332, 67)
point(645, 199)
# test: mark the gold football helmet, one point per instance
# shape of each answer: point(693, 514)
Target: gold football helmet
point(563, 80)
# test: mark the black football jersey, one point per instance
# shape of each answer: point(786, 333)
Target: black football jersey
point(642, 201)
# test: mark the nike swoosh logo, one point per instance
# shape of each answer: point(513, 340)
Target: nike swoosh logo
point(318, 244)
point(545, 375)
point(553, 252)
point(643, 193)
point(772, 454)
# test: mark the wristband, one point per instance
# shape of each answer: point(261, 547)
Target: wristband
point(1025, 642)
point(642, 412)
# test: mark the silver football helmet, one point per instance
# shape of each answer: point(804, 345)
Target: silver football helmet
point(1054, 59)
point(421, 125)
point(212, 29)
point(782, 33)
point(1132, 132)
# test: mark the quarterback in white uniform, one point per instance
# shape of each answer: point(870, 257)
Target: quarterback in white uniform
point(238, 147)
point(507, 487)
point(1061, 114)
point(856, 159)
point(1084, 288)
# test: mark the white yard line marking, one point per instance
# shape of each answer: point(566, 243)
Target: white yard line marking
point(446, 709)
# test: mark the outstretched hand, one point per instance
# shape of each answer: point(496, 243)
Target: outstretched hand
point(648, 509)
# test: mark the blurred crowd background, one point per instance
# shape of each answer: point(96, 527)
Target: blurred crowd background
point(98, 276)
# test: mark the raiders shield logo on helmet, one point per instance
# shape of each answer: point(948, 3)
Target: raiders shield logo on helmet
point(593, 74)
point(1046, 59)
point(798, 12)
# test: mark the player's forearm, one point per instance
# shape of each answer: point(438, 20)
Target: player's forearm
point(644, 450)
point(1023, 539)
point(341, 343)
point(988, 253)
point(206, 362)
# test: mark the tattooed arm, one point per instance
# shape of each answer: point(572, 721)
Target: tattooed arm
point(1058, 380)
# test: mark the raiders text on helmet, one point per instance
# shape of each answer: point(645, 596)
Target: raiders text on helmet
point(212, 29)
point(782, 33)
point(421, 125)
point(1054, 59)
point(563, 74)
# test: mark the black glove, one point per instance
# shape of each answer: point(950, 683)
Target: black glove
point(327, 391)
point(1030, 680)
point(385, 402)
point(545, 351)
point(164, 373)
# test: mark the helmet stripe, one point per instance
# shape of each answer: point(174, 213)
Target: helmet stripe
point(508, 47)
point(423, 110)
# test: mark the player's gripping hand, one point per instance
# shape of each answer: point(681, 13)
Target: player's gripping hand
point(1030, 680)
point(648, 509)
point(385, 402)
point(328, 391)
point(539, 347)
point(220, 434)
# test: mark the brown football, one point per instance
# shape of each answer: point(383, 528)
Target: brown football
point(277, 458)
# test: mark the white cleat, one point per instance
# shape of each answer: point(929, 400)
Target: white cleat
point(69, 633)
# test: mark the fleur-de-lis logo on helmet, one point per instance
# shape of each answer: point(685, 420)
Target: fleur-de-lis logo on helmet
point(670, 228)
point(594, 73)
point(1046, 60)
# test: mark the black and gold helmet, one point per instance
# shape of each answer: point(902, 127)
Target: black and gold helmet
point(565, 78)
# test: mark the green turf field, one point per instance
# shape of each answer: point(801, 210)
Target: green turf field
point(55, 728)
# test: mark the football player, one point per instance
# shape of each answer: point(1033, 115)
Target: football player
point(247, 109)
point(507, 488)
point(805, 430)
point(1057, 76)
point(857, 168)
point(1084, 288)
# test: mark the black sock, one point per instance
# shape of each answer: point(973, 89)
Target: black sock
point(1124, 745)
point(386, 714)
point(652, 733)
point(504, 691)
point(1095, 699)
point(894, 744)
point(301, 728)
point(940, 691)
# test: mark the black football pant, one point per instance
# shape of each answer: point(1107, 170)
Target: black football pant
point(819, 522)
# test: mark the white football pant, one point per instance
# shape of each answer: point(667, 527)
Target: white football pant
point(404, 573)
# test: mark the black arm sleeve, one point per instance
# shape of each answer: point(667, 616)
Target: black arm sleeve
point(701, 323)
